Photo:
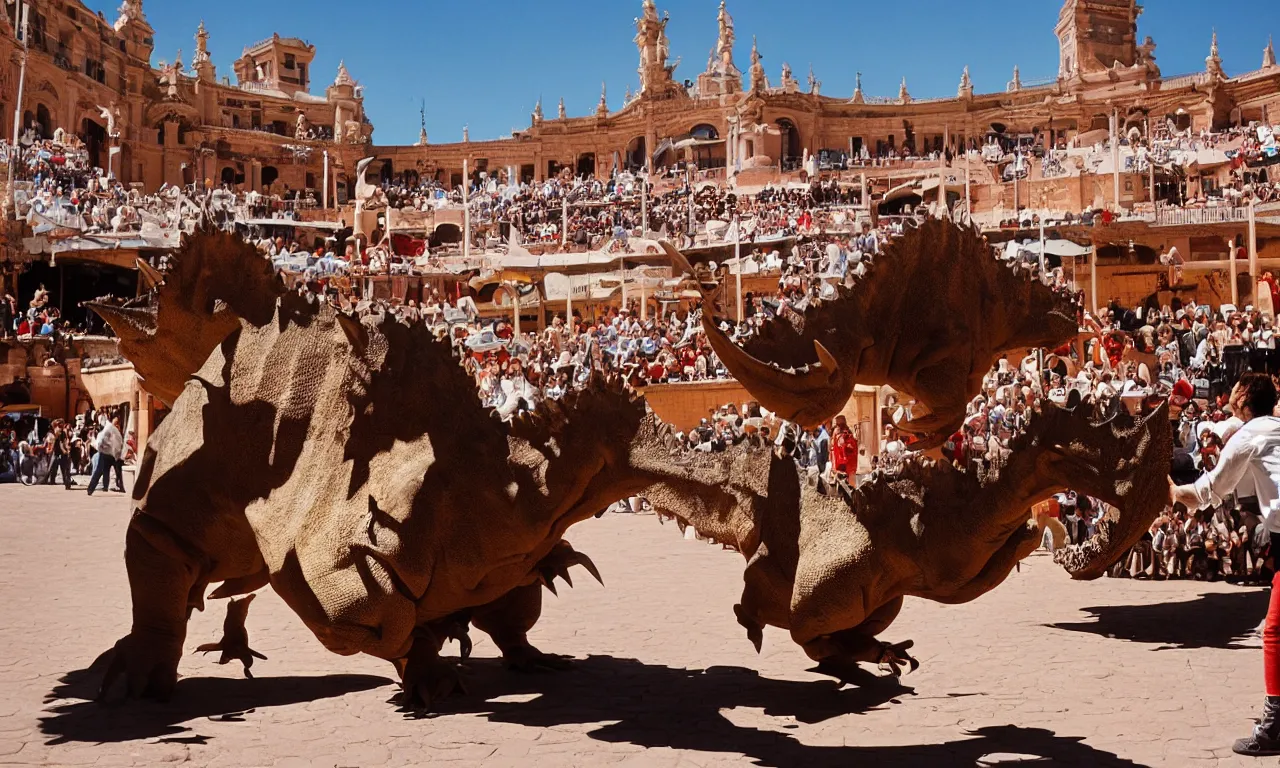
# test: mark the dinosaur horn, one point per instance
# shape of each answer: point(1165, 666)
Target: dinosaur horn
point(131, 324)
point(797, 396)
point(151, 277)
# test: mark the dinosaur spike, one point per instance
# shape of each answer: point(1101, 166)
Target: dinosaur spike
point(151, 277)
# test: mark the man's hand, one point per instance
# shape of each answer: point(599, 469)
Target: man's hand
point(1184, 494)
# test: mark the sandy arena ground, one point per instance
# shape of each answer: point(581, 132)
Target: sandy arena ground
point(1043, 670)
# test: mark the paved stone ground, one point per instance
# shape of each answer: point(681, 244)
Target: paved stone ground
point(1108, 673)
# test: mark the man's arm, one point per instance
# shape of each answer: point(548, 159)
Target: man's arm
point(1210, 488)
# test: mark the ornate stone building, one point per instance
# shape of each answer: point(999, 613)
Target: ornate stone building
point(176, 122)
point(723, 122)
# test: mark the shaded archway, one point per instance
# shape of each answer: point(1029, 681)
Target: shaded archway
point(791, 147)
point(95, 142)
point(270, 174)
point(636, 153)
point(587, 164)
point(45, 121)
point(228, 178)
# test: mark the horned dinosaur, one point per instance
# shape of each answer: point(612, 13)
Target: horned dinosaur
point(833, 569)
point(350, 466)
point(931, 319)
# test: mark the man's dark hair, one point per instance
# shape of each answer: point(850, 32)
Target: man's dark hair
point(1259, 392)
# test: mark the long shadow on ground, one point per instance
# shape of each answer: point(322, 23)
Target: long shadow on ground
point(194, 698)
point(656, 706)
point(643, 704)
point(1215, 620)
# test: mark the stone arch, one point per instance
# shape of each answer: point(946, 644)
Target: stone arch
point(792, 148)
point(636, 153)
point(228, 177)
point(586, 164)
point(270, 175)
point(445, 233)
point(44, 119)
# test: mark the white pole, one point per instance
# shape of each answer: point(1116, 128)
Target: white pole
point(515, 303)
point(623, 272)
point(324, 194)
point(568, 305)
point(1016, 158)
point(866, 196)
point(1093, 282)
point(943, 213)
point(1235, 284)
point(644, 307)
point(564, 219)
point(1115, 156)
point(1042, 259)
point(10, 201)
point(466, 210)
point(968, 199)
point(644, 202)
point(1253, 248)
point(737, 257)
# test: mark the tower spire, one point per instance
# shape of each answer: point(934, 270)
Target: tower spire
point(1269, 54)
point(1213, 64)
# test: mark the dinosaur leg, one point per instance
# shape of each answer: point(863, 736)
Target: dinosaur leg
point(426, 677)
point(508, 620)
point(839, 653)
point(164, 581)
point(234, 644)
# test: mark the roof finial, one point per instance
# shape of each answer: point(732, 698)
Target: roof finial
point(1213, 64)
point(1269, 54)
point(903, 96)
point(858, 98)
point(560, 111)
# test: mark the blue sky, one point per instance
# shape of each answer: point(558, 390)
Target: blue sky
point(485, 62)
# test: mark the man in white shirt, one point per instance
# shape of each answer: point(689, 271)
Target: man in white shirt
point(1252, 456)
point(109, 444)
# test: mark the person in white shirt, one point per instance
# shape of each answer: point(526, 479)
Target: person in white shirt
point(1252, 455)
point(109, 444)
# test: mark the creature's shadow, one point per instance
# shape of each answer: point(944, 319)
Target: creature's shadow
point(643, 704)
point(1213, 620)
point(657, 706)
point(194, 698)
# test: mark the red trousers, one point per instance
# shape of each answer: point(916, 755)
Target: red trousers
point(1271, 640)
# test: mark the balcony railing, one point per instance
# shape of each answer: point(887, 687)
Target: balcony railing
point(1170, 217)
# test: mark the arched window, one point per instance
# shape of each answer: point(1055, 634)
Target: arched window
point(704, 131)
point(790, 139)
point(269, 175)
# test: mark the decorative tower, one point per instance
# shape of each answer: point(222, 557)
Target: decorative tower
point(815, 85)
point(202, 63)
point(466, 134)
point(651, 41)
point(858, 98)
point(789, 83)
point(422, 132)
point(966, 85)
point(759, 80)
point(602, 109)
point(1015, 84)
point(722, 75)
point(348, 108)
point(1269, 55)
point(903, 96)
point(1097, 35)
point(560, 113)
point(537, 112)
point(133, 29)
point(1213, 62)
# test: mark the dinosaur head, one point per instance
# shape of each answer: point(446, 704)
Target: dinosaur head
point(937, 308)
point(214, 281)
point(1124, 461)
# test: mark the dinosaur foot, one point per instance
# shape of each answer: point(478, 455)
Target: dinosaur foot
point(891, 659)
point(426, 680)
point(559, 561)
point(147, 662)
point(526, 658)
point(234, 644)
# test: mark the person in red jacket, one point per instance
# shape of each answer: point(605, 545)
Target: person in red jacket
point(844, 449)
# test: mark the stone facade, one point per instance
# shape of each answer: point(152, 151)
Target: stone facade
point(177, 122)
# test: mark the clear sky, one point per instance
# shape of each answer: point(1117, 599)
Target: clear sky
point(485, 62)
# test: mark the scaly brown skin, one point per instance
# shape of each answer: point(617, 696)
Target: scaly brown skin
point(833, 571)
point(353, 466)
point(932, 318)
